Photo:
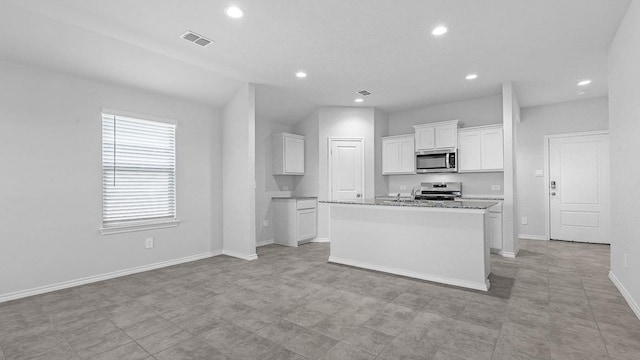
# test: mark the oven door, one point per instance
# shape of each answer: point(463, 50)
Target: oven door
point(435, 162)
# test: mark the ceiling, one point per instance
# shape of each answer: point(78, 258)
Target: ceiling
point(544, 46)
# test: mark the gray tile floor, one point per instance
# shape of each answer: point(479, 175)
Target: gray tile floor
point(554, 302)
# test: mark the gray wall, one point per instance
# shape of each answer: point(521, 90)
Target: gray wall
point(624, 127)
point(51, 187)
point(538, 121)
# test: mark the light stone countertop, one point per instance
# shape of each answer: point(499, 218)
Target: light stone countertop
point(428, 203)
point(293, 197)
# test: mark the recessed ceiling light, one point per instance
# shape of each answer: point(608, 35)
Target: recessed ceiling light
point(359, 100)
point(301, 74)
point(234, 12)
point(584, 82)
point(439, 30)
point(471, 76)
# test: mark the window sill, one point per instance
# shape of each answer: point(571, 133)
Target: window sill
point(125, 228)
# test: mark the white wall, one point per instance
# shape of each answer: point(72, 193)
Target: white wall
point(475, 112)
point(381, 128)
point(307, 185)
point(51, 187)
point(624, 128)
point(267, 184)
point(538, 121)
point(510, 122)
point(238, 174)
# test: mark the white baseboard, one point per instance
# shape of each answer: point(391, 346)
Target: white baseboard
point(625, 294)
point(238, 255)
point(466, 284)
point(532, 237)
point(91, 279)
point(265, 242)
point(321, 240)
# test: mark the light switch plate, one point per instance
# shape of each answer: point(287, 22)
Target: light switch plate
point(495, 187)
point(539, 173)
point(525, 221)
point(403, 187)
point(149, 243)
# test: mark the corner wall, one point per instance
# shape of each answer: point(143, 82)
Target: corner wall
point(51, 183)
point(510, 122)
point(238, 175)
point(267, 184)
point(538, 121)
point(624, 130)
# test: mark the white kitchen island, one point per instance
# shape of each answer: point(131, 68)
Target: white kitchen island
point(444, 242)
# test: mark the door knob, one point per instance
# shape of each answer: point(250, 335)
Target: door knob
point(358, 195)
point(553, 193)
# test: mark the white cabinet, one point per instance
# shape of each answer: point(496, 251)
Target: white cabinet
point(294, 220)
point(398, 155)
point(480, 149)
point(288, 154)
point(434, 136)
point(495, 228)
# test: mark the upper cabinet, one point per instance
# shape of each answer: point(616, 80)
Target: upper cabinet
point(435, 136)
point(288, 154)
point(480, 149)
point(398, 155)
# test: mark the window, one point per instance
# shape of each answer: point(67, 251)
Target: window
point(138, 174)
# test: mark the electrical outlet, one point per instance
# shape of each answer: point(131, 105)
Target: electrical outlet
point(625, 260)
point(495, 187)
point(265, 223)
point(285, 188)
point(525, 221)
point(403, 187)
point(149, 243)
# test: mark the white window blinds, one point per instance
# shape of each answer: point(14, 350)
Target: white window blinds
point(138, 171)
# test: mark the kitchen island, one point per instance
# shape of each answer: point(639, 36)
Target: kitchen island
point(440, 241)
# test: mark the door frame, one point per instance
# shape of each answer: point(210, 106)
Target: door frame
point(547, 178)
point(330, 141)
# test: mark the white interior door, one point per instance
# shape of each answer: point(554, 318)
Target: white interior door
point(579, 188)
point(347, 169)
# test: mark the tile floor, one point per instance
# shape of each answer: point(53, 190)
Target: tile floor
point(554, 302)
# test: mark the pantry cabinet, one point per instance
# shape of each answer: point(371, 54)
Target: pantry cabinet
point(480, 149)
point(435, 136)
point(288, 154)
point(398, 155)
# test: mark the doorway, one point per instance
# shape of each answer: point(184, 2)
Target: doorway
point(578, 187)
point(346, 169)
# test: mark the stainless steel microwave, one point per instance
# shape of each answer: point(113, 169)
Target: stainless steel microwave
point(436, 161)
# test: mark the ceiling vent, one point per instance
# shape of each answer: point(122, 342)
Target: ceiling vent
point(364, 92)
point(196, 38)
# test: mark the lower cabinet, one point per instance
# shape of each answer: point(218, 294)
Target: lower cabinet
point(295, 220)
point(495, 230)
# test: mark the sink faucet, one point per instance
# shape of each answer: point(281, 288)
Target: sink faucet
point(414, 191)
point(398, 197)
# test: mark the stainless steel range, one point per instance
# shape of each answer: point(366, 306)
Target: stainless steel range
point(439, 191)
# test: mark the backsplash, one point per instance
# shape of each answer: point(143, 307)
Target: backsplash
point(473, 184)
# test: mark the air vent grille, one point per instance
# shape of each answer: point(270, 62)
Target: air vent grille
point(364, 92)
point(196, 38)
